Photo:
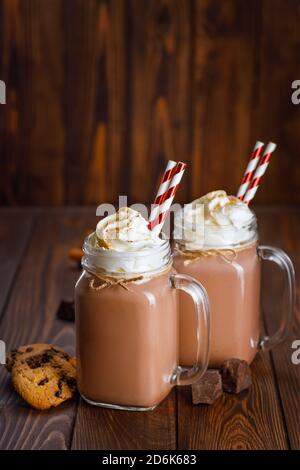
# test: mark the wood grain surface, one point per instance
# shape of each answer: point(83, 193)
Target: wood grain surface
point(101, 93)
point(97, 428)
point(224, 71)
point(277, 118)
point(252, 420)
point(286, 236)
point(12, 250)
point(40, 276)
point(44, 278)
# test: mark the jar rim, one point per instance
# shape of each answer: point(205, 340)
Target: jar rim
point(218, 227)
point(113, 262)
point(88, 248)
point(210, 235)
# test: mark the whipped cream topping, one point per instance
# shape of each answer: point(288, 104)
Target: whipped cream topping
point(122, 243)
point(126, 230)
point(215, 220)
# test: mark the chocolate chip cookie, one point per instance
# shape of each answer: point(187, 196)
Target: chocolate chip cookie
point(44, 375)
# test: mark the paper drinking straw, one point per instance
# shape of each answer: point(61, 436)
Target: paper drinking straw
point(164, 185)
point(164, 200)
point(260, 171)
point(251, 167)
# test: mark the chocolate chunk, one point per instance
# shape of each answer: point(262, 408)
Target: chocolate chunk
point(71, 382)
point(33, 362)
point(59, 391)
point(236, 375)
point(61, 354)
point(66, 311)
point(11, 359)
point(208, 389)
point(37, 361)
point(29, 349)
point(43, 381)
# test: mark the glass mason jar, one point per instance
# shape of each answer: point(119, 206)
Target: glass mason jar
point(127, 327)
point(231, 275)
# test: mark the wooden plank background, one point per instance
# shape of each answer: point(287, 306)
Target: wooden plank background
point(100, 93)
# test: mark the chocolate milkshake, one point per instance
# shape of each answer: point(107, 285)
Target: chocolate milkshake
point(127, 343)
point(127, 316)
point(216, 243)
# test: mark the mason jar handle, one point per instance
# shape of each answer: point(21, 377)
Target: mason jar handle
point(184, 375)
point(282, 260)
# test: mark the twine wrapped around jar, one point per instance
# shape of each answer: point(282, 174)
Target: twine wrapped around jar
point(227, 254)
point(106, 280)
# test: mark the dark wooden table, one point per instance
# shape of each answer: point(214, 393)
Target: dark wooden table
point(35, 275)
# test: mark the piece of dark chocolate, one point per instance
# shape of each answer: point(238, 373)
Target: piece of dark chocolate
point(66, 311)
point(236, 375)
point(208, 389)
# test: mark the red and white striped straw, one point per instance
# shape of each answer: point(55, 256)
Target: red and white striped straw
point(164, 185)
point(165, 182)
point(260, 171)
point(251, 167)
point(166, 195)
